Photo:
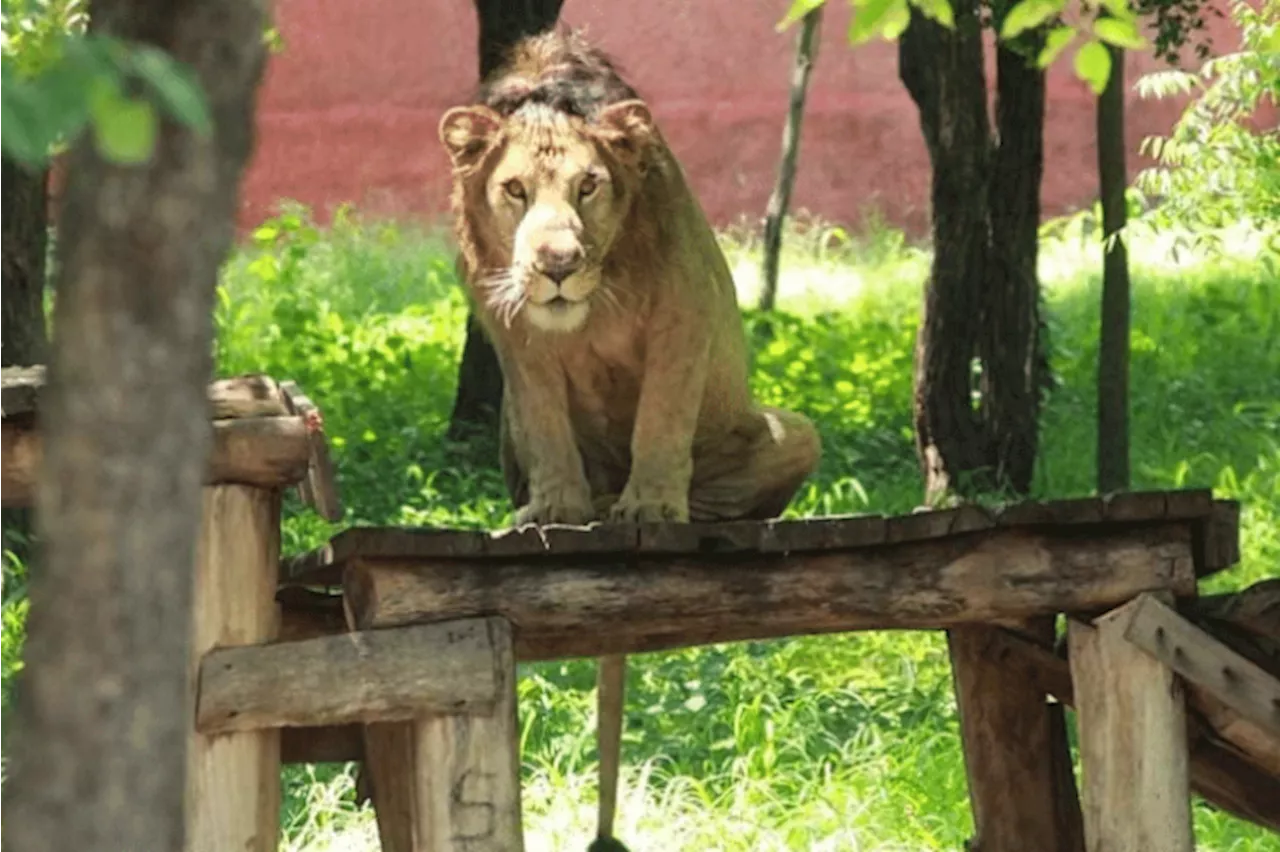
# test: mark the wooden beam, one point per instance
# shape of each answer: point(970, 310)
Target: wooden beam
point(1012, 749)
point(253, 395)
point(233, 780)
point(318, 488)
point(267, 452)
point(390, 765)
point(1133, 741)
point(371, 676)
point(590, 608)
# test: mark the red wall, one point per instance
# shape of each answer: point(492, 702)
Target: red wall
point(348, 111)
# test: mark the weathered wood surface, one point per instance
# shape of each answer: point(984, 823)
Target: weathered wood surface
point(1013, 748)
point(1233, 780)
point(267, 452)
point(324, 744)
point(1133, 741)
point(390, 767)
point(611, 686)
point(596, 607)
point(1244, 687)
point(252, 395)
point(468, 771)
point(368, 676)
point(233, 780)
point(1194, 508)
point(319, 487)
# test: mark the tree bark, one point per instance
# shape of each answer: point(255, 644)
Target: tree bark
point(104, 707)
point(23, 340)
point(780, 200)
point(479, 395)
point(943, 73)
point(1113, 352)
point(980, 329)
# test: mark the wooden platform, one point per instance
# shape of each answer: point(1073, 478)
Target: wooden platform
point(609, 588)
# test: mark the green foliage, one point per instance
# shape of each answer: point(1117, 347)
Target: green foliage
point(1220, 165)
point(57, 81)
point(823, 743)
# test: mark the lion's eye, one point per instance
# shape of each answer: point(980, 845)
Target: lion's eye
point(515, 189)
point(589, 185)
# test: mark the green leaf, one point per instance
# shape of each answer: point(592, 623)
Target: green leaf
point(1029, 14)
point(797, 10)
point(867, 17)
point(1093, 65)
point(938, 10)
point(1054, 43)
point(176, 86)
point(124, 129)
point(1119, 9)
point(1122, 34)
point(895, 21)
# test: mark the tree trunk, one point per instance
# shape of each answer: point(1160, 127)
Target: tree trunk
point(104, 706)
point(1113, 353)
point(780, 200)
point(479, 394)
point(943, 73)
point(1014, 367)
point(23, 341)
point(980, 330)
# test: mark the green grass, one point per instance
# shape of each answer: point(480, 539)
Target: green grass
point(825, 743)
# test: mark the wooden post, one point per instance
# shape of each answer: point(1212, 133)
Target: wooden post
point(233, 780)
point(389, 759)
point(1133, 741)
point(1013, 749)
point(468, 770)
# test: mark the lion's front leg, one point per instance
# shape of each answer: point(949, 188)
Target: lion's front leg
point(542, 464)
point(657, 488)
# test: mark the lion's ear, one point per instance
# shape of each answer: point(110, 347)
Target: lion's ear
point(629, 128)
point(467, 133)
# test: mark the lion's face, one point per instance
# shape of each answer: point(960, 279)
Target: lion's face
point(553, 194)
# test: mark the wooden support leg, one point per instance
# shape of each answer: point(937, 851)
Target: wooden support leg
point(233, 780)
point(389, 750)
point(1013, 749)
point(469, 770)
point(1133, 742)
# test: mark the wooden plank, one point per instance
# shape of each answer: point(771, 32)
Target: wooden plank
point(20, 389)
point(1223, 776)
point(595, 607)
point(319, 488)
point(611, 683)
point(1012, 749)
point(267, 452)
point(254, 395)
point(1133, 741)
point(1218, 542)
point(233, 780)
point(1204, 661)
point(468, 771)
point(370, 676)
point(326, 744)
point(20, 453)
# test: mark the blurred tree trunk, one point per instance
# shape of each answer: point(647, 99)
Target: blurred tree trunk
point(25, 223)
point(104, 705)
point(1113, 352)
point(780, 200)
point(980, 329)
point(479, 394)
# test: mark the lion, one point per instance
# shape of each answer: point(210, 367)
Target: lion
point(610, 305)
point(614, 316)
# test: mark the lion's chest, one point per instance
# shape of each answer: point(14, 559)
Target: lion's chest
point(603, 379)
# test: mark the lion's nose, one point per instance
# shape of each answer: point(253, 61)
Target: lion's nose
point(559, 264)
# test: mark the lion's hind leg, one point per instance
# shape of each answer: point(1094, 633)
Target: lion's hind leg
point(754, 474)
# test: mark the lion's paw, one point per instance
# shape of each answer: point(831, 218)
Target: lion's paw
point(643, 510)
point(559, 509)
